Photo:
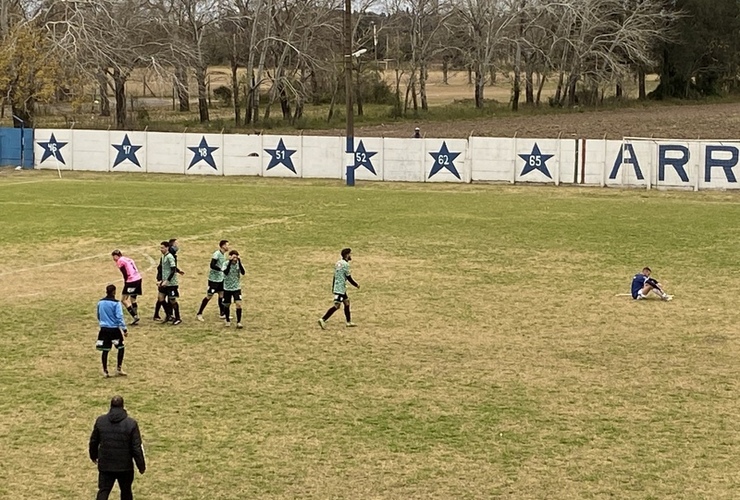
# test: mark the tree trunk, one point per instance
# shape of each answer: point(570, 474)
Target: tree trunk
point(641, 83)
point(284, 104)
point(540, 85)
point(529, 84)
point(181, 88)
point(445, 70)
point(22, 112)
point(423, 86)
point(572, 81)
point(235, 83)
point(618, 91)
point(480, 84)
point(470, 75)
point(333, 103)
point(103, 87)
point(200, 76)
point(517, 91)
point(119, 91)
point(413, 97)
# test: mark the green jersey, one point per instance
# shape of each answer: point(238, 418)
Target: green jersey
point(233, 272)
point(217, 275)
point(341, 273)
point(169, 266)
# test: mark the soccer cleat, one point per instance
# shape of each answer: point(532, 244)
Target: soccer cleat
point(121, 373)
point(227, 324)
point(322, 323)
point(199, 317)
point(350, 324)
point(156, 318)
point(667, 297)
point(106, 374)
point(221, 316)
point(176, 321)
point(135, 321)
point(239, 325)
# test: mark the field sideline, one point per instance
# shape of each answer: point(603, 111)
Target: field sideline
point(493, 357)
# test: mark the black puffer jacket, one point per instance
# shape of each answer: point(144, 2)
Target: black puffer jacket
point(115, 442)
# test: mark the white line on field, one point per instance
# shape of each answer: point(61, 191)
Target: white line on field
point(69, 205)
point(141, 248)
point(2, 184)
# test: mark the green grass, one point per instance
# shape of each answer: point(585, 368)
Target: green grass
point(492, 357)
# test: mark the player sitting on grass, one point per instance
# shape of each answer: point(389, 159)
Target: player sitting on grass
point(233, 271)
point(643, 284)
point(342, 275)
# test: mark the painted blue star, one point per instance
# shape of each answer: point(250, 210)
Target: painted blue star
point(281, 155)
point(536, 161)
point(203, 152)
point(126, 152)
point(362, 158)
point(52, 148)
point(444, 159)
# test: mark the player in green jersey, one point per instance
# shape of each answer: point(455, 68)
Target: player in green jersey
point(215, 279)
point(342, 275)
point(169, 284)
point(233, 271)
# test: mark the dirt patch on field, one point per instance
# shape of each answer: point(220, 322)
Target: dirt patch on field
point(707, 121)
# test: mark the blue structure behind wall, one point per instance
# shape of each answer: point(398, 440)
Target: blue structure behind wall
point(10, 147)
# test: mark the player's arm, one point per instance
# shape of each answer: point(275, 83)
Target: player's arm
point(119, 318)
point(173, 270)
point(124, 273)
point(94, 443)
point(653, 283)
point(352, 282)
point(137, 451)
point(215, 266)
point(241, 268)
point(159, 271)
point(227, 267)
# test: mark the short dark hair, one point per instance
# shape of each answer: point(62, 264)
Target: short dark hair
point(172, 241)
point(110, 291)
point(116, 401)
point(116, 252)
point(346, 252)
point(646, 268)
point(165, 244)
point(222, 243)
point(233, 252)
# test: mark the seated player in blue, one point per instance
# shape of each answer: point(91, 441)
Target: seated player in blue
point(643, 284)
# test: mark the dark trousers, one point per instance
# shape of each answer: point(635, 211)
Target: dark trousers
point(107, 479)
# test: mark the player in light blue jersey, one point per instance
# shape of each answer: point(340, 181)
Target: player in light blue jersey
point(643, 284)
point(342, 275)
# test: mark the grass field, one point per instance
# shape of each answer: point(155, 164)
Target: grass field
point(492, 359)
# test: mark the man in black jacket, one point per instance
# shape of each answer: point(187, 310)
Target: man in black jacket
point(115, 444)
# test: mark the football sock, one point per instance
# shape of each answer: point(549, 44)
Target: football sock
point(221, 305)
point(176, 309)
point(130, 310)
point(329, 313)
point(104, 359)
point(120, 357)
point(157, 308)
point(238, 314)
point(167, 308)
point(347, 314)
point(226, 313)
point(136, 308)
point(203, 305)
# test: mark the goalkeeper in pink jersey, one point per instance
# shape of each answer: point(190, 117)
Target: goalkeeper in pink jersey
point(131, 283)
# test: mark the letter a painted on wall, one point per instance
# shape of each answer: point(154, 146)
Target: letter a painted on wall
point(622, 158)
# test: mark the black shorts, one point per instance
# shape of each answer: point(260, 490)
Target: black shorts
point(133, 289)
point(340, 297)
point(109, 337)
point(171, 292)
point(236, 295)
point(215, 287)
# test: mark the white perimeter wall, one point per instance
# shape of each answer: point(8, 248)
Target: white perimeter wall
point(646, 163)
